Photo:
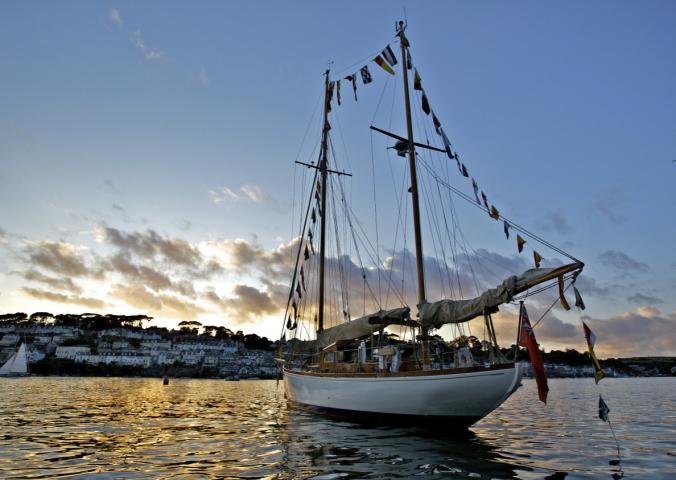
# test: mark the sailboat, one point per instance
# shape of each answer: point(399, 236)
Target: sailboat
point(17, 364)
point(354, 366)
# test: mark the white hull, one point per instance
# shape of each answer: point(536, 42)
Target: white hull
point(466, 396)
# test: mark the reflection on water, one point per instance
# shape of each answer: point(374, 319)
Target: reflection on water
point(138, 428)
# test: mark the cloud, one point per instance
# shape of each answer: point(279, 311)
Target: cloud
point(149, 53)
point(247, 192)
point(246, 303)
point(138, 296)
point(622, 262)
point(115, 16)
point(587, 286)
point(64, 283)
point(642, 299)
point(92, 303)
point(645, 332)
point(203, 77)
point(555, 221)
point(609, 204)
point(3, 237)
point(108, 183)
point(151, 245)
point(58, 257)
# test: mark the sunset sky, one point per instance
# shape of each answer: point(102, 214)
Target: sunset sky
point(147, 150)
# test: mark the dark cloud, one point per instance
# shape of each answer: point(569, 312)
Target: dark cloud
point(646, 332)
point(588, 286)
point(150, 245)
point(92, 303)
point(555, 221)
point(140, 297)
point(64, 283)
point(58, 257)
point(610, 204)
point(645, 300)
point(622, 262)
point(246, 303)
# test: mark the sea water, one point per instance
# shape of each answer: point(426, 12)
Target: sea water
point(138, 428)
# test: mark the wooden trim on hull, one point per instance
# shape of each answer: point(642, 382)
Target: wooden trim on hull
point(416, 373)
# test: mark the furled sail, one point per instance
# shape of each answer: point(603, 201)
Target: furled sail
point(363, 326)
point(436, 314)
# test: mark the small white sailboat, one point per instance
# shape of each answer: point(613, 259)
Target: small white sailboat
point(17, 364)
point(352, 366)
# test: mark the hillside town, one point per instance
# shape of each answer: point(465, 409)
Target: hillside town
point(93, 344)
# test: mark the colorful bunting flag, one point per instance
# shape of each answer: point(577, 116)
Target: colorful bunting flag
point(537, 258)
point(417, 81)
point(295, 325)
point(288, 322)
point(603, 410)
point(579, 303)
point(388, 54)
point(306, 253)
point(329, 96)
point(527, 339)
point(485, 199)
point(313, 217)
point(366, 75)
point(591, 341)
point(505, 228)
point(494, 214)
point(353, 79)
point(425, 104)
point(300, 295)
point(338, 92)
point(520, 242)
point(436, 122)
point(464, 171)
point(310, 235)
point(447, 143)
point(383, 64)
point(295, 308)
point(302, 278)
point(476, 192)
point(562, 297)
point(409, 61)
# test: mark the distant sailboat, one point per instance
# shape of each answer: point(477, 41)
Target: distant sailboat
point(17, 365)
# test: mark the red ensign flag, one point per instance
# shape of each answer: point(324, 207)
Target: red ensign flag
point(528, 340)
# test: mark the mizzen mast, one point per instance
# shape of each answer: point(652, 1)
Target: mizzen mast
point(422, 297)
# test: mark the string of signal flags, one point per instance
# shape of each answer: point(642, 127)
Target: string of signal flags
point(386, 60)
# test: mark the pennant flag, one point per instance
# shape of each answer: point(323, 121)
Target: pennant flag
point(300, 295)
point(476, 192)
point(294, 326)
point(302, 278)
point(409, 60)
point(520, 242)
point(485, 199)
point(306, 253)
point(464, 171)
point(527, 339)
point(310, 235)
point(537, 258)
point(417, 81)
point(313, 217)
point(562, 297)
point(591, 341)
point(317, 195)
point(505, 227)
point(495, 215)
point(383, 64)
point(353, 78)
point(288, 322)
point(603, 409)
point(447, 143)
point(579, 303)
point(338, 92)
point(389, 56)
point(425, 104)
point(295, 308)
point(365, 75)
point(437, 123)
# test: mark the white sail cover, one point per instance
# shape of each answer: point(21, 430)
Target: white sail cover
point(436, 314)
point(17, 363)
point(363, 326)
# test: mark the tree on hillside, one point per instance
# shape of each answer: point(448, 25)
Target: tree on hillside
point(189, 326)
point(13, 318)
point(41, 318)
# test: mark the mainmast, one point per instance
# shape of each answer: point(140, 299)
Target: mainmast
point(323, 168)
point(422, 298)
